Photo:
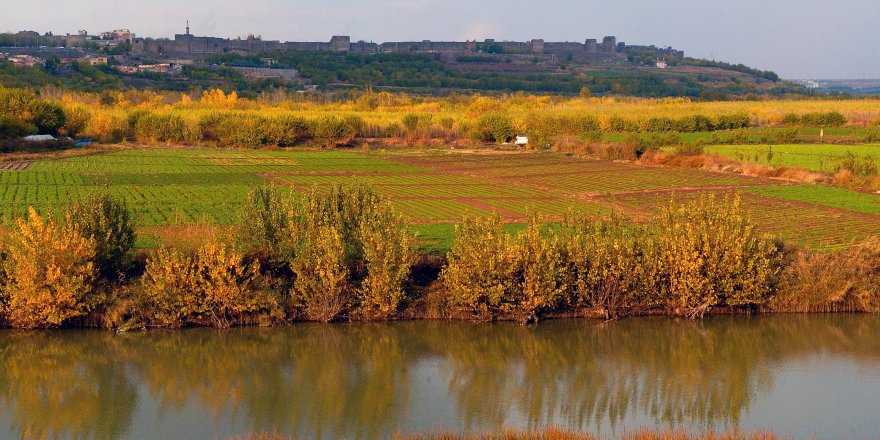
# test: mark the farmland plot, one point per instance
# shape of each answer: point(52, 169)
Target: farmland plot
point(174, 188)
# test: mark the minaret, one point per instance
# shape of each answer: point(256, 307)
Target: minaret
point(187, 27)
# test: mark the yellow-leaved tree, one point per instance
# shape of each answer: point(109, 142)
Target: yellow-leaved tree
point(50, 273)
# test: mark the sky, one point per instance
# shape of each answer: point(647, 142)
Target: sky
point(799, 39)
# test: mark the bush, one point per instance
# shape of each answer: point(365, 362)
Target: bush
point(25, 108)
point(363, 251)
point(859, 166)
point(659, 125)
point(733, 122)
point(787, 136)
point(239, 131)
point(170, 287)
point(493, 127)
point(76, 121)
point(712, 256)
point(610, 264)
point(286, 131)
point(48, 117)
point(152, 128)
point(389, 253)
point(829, 119)
point(234, 292)
point(215, 286)
point(540, 272)
point(332, 132)
point(617, 124)
point(491, 275)
point(413, 122)
point(480, 271)
point(264, 225)
point(694, 123)
point(50, 274)
point(11, 128)
point(322, 286)
point(642, 143)
point(107, 222)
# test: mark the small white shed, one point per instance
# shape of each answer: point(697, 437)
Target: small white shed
point(521, 141)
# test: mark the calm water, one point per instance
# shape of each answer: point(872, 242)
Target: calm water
point(798, 375)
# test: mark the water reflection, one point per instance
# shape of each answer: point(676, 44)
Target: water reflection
point(369, 381)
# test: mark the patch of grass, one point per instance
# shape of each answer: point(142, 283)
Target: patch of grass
point(815, 157)
point(822, 195)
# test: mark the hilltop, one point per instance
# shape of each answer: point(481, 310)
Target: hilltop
point(120, 60)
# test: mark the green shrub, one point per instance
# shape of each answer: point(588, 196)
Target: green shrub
point(659, 125)
point(350, 251)
point(787, 136)
point(694, 123)
point(491, 275)
point(540, 278)
point(48, 117)
point(611, 265)
point(618, 124)
point(169, 128)
point(829, 119)
point(25, 108)
point(388, 256)
point(733, 122)
point(791, 119)
point(493, 127)
point(860, 166)
point(286, 131)
point(846, 280)
point(480, 271)
point(332, 132)
point(11, 128)
point(107, 222)
point(234, 130)
point(170, 287)
point(357, 123)
point(264, 225)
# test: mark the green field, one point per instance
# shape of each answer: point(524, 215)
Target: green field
point(815, 157)
point(178, 190)
point(823, 196)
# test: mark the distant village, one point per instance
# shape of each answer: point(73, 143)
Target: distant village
point(129, 53)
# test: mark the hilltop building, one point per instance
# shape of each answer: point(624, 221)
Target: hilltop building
point(187, 44)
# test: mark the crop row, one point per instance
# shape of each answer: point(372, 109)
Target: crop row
point(390, 179)
point(637, 179)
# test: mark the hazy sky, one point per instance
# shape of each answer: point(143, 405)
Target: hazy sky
point(795, 38)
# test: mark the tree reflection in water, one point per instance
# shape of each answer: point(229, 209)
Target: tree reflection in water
point(359, 380)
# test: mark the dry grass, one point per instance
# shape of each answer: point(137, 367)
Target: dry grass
point(844, 281)
point(722, 164)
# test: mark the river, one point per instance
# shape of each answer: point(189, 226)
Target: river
point(798, 375)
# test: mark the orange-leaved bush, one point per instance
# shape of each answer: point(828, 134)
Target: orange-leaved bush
point(50, 273)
